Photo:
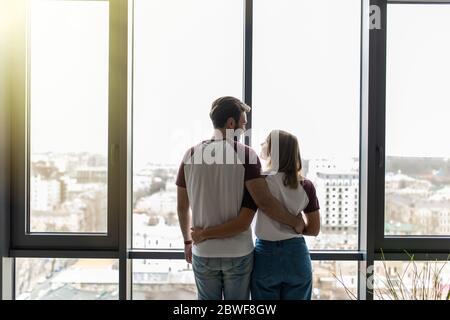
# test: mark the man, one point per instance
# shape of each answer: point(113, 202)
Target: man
point(216, 179)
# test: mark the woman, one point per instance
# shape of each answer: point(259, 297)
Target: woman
point(282, 265)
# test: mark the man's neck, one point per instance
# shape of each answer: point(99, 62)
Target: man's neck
point(219, 134)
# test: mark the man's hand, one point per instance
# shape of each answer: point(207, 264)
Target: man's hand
point(188, 252)
point(197, 235)
point(300, 226)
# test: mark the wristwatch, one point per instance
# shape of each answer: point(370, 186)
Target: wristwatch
point(188, 242)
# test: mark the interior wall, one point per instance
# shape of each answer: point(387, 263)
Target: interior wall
point(5, 26)
point(5, 101)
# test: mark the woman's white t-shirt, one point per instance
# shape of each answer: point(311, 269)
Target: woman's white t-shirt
point(303, 199)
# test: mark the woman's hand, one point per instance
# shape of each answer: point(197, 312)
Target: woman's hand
point(198, 235)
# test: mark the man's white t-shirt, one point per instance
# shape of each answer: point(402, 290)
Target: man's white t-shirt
point(217, 192)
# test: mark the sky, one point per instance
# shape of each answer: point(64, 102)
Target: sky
point(418, 81)
point(306, 74)
point(69, 76)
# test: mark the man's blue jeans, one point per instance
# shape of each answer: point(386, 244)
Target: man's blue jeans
point(282, 270)
point(223, 278)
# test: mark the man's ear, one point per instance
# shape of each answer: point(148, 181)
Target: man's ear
point(231, 123)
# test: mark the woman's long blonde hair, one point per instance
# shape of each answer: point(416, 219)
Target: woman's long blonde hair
point(290, 161)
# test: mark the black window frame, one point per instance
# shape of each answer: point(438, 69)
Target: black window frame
point(22, 238)
point(371, 239)
point(392, 243)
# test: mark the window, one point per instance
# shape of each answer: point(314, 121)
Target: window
point(68, 116)
point(417, 180)
point(67, 279)
point(329, 277)
point(186, 54)
point(174, 280)
point(163, 280)
point(306, 78)
point(411, 280)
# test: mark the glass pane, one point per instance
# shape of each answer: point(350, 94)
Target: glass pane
point(186, 54)
point(335, 280)
point(163, 280)
point(417, 112)
point(67, 279)
point(68, 116)
point(411, 280)
point(307, 82)
point(174, 280)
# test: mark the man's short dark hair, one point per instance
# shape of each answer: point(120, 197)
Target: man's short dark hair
point(227, 107)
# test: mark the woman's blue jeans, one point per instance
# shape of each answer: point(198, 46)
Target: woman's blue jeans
point(282, 270)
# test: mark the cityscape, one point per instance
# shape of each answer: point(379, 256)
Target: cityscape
point(68, 193)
